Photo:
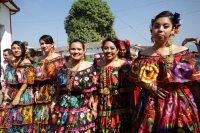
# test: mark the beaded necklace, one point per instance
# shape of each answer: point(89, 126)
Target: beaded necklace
point(169, 61)
point(70, 80)
point(105, 85)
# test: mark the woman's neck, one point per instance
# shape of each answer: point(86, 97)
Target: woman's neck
point(161, 45)
point(17, 59)
point(49, 54)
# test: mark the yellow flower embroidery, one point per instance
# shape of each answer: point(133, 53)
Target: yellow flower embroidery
point(148, 73)
point(89, 117)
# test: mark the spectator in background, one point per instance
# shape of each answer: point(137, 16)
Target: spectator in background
point(194, 40)
point(97, 58)
point(32, 56)
point(8, 57)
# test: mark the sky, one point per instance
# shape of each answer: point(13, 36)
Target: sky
point(132, 19)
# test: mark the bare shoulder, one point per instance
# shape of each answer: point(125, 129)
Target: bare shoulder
point(149, 51)
point(26, 61)
point(177, 48)
point(86, 64)
point(55, 55)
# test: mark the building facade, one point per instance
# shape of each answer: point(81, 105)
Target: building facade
point(7, 8)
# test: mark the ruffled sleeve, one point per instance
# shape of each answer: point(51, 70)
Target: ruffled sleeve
point(9, 75)
point(48, 69)
point(153, 69)
point(25, 74)
point(84, 80)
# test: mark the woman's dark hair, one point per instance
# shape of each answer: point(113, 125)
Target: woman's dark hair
point(22, 46)
point(77, 40)
point(47, 39)
point(165, 14)
point(32, 52)
point(113, 40)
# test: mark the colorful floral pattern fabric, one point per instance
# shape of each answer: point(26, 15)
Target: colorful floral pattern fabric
point(45, 75)
point(113, 106)
point(178, 111)
point(71, 112)
point(18, 118)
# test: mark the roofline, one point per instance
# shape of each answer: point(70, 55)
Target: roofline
point(11, 5)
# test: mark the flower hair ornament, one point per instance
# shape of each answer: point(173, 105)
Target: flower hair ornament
point(120, 43)
point(127, 42)
point(177, 22)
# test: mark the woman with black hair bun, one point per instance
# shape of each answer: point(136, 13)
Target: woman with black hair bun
point(45, 78)
point(16, 111)
point(168, 74)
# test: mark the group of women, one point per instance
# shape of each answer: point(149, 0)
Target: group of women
point(74, 96)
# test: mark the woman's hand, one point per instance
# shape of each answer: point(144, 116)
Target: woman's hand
point(16, 101)
point(52, 106)
point(94, 113)
point(91, 102)
point(159, 92)
point(194, 40)
point(6, 97)
point(36, 96)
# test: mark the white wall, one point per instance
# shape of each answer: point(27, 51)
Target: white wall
point(5, 31)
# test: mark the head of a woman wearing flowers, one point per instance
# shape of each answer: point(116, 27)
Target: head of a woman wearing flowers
point(162, 27)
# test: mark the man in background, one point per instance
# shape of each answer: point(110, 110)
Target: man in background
point(8, 57)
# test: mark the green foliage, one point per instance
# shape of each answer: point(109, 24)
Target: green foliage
point(89, 21)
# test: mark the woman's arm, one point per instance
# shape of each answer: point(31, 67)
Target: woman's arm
point(19, 93)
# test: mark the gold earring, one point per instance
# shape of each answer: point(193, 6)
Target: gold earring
point(170, 41)
point(152, 40)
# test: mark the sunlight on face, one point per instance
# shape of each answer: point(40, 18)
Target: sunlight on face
point(76, 51)
point(110, 50)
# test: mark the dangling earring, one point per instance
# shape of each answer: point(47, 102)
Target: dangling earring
point(170, 40)
point(152, 40)
point(116, 58)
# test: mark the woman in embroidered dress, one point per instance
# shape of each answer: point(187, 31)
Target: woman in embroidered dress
point(113, 90)
point(76, 83)
point(168, 74)
point(45, 89)
point(125, 54)
point(16, 111)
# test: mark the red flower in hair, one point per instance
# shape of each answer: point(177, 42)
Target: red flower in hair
point(120, 43)
point(127, 43)
point(102, 41)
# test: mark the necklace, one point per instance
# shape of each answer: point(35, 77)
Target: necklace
point(169, 61)
point(70, 80)
point(106, 89)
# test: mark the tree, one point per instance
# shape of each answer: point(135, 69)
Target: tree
point(89, 21)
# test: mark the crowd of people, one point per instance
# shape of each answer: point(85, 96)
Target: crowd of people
point(156, 92)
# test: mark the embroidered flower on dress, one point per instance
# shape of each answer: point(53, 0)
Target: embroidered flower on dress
point(82, 115)
point(148, 73)
point(86, 78)
point(181, 72)
point(198, 63)
point(76, 78)
point(73, 101)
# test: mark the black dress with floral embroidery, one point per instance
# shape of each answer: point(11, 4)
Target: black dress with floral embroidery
point(71, 112)
point(113, 106)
